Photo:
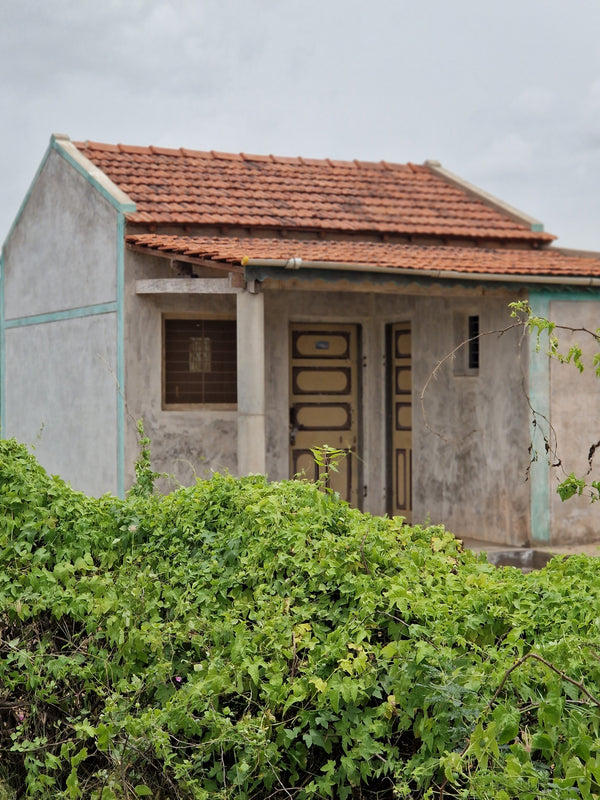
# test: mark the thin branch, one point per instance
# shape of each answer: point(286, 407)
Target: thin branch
point(498, 691)
point(450, 357)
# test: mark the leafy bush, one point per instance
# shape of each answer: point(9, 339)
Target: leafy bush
point(246, 639)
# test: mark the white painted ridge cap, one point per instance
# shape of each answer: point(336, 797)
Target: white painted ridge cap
point(62, 142)
point(486, 197)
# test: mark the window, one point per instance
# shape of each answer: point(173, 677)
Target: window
point(473, 332)
point(200, 362)
point(466, 342)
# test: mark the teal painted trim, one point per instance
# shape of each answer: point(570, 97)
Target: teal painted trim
point(539, 398)
point(537, 227)
point(2, 347)
point(121, 356)
point(591, 293)
point(124, 208)
point(59, 316)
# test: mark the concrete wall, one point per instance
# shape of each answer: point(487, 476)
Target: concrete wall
point(60, 397)
point(469, 458)
point(575, 418)
point(470, 455)
point(62, 251)
point(60, 273)
point(185, 444)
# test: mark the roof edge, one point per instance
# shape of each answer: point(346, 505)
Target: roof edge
point(292, 265)
point(489, 199)
point(93, 174)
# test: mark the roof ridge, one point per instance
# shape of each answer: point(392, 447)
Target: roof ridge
point(243, 156)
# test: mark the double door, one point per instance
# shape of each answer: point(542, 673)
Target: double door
point(325, 410)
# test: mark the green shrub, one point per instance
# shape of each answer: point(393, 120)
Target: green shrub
point(245, 639)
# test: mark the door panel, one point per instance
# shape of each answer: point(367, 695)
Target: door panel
point(324, 398)
point(400, 419)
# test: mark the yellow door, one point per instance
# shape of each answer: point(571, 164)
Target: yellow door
point(400, 365)
point(324, 397)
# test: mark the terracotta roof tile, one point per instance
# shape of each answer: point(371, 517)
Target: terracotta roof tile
point(298, 193)
point(475, 260)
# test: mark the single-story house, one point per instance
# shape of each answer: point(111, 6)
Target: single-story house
point(251, 308)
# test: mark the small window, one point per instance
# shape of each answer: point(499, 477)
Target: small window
point(473, 331)
point(467, 354)
point(200, 362)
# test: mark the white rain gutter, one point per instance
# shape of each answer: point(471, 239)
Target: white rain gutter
point(441, 274)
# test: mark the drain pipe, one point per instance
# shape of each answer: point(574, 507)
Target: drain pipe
point(440, 274)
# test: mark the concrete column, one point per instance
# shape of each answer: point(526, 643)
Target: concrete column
point(251, 383)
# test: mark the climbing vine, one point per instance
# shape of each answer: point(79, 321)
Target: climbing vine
point(250, 640)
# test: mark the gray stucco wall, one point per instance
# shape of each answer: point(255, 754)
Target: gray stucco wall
point(469, 466)
point(471, 462)
point(185, 444)
point(61, 397)
point(62, 251)
point(60, 258)
point(575, 417)
point(470, 457)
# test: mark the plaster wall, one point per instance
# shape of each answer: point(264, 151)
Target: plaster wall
point(575, 418)
point(60, 397)
point(470, 446)
point(61, 253)
point(469, 456)
point(470, 453)
point(185, 444)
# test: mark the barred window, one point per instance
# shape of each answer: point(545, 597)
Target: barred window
point(200, 362)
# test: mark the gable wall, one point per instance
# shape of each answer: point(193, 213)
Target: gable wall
point(60, 328)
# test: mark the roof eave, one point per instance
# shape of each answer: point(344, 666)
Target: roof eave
point(294, 264)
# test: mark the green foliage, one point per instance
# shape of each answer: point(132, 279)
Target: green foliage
point(240, 639)
point(145, 476)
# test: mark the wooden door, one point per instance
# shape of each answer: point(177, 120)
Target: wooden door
point(324, 402)
point(400, 420)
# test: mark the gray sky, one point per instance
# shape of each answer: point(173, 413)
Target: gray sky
point(506, 94)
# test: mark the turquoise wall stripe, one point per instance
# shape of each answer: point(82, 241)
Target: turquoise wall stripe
point(121, 355)
point(554, 295)
point(539, 397)
point(58, 316)
point(2, 348)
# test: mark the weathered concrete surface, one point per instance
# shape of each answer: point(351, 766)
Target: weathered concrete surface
point(61, 398)
point(575, 418)
point(185, 444)
point(61, 256)
point(62, 252)
point(251, 383)
point(470, 456)
point(469, 464)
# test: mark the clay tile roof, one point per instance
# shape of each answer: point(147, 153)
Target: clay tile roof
point(474, 260)
point(206, 188)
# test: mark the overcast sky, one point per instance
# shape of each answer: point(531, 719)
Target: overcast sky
point(504, 93)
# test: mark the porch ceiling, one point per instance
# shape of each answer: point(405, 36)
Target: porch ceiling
point(369, 256)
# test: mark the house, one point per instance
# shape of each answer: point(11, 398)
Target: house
point(249, 308)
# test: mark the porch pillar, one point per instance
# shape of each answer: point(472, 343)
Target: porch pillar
point(251, 382)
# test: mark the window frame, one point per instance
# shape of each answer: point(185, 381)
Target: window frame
point(191, 316)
